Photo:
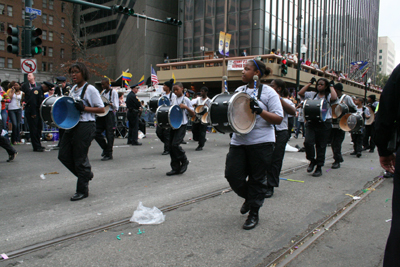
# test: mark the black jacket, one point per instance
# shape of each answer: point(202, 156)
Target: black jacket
point(388, 112)
point(35, 99)
point(132, 102)
point(27, 90)
point(62, 91)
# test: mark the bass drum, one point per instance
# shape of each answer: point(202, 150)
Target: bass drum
point(351, 123)
point(106, 107)
point(156, 101)
point(59, 111)
point(169, 116)
point(231, 113)
point(340, 110)
point(315, 109)
point(371, 119)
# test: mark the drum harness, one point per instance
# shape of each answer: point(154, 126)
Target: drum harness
point(82, 93)
point(109, 97)
point(260, 86)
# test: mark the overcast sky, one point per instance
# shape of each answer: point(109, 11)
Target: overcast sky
point(389, 23)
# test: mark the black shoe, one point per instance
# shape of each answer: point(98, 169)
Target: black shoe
point(103, 154)
point(170, 173)
point(270, 192)
point(184, 166)
point(311, 166)
point(79, 196)
point(105, 158)
point(318, 171)
point(387, 174)
point(38, 149)
point(91, 176)
point(42, 147)
point(365, 148)
point(199, 148)
point(336, 165)
point(371, 151)
point(136, 144)
point(56, 148)
point(165, 153)
point(12, 157)
point(183, 142)
point(353, 153)
point(252, 221)
point(245, 208)
point(358, 154)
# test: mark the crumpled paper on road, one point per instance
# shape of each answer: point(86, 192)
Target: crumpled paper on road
point(144, 215)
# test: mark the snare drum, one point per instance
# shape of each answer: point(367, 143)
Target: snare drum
point(106, 107)
point(169, 116)
point(231, 113)
point(59, 111)
point(315, 109)
point(371, 119)
point(351, 123)
point(156, 101)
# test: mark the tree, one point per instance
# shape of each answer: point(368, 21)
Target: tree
point(381, 79)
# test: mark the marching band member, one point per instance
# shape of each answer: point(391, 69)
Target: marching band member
point(199, 129)
point(75, 143)
point(369, 135)
point(179, 161)
point(164, 133)
point(107, 122)
point(337, 134)
point(250, 154)
point(357, 137)
point(134, 106)
point(317, 132)
point(282, 135)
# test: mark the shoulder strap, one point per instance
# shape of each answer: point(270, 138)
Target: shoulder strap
point(342, 98)
point(260, 86)
point(84, 90)
point(170, 95)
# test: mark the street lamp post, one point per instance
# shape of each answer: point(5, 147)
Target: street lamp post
point(303, 51)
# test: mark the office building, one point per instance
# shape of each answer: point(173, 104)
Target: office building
point(386, 55)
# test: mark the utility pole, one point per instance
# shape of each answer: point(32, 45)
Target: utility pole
point(26, 35)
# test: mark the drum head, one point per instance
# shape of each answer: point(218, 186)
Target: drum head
point(64, 113)
point(371, 119)
point(163, 101)
point(340, 110)
point(240, 117)
point(205, 119)
point(324, 110)
point(355, 122)
point(175, 117)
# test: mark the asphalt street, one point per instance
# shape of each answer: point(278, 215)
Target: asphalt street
point(206, 233)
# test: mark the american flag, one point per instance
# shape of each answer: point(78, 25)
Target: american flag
point(154, 79)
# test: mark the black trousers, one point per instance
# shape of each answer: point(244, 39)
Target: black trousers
point(105, 123)
point(199, 131)
point(133, 126)
point(357, 141)
point(274, 171)
point(290, 125)
point(142, 126)
point(164, 135)
point(73, 153)
point(246, 171)
point(392, 255)
point(369, 136)
point(317, 135)
point(178, 155)
point(35, 128)
point(5, 143)
point(337, 138)
point(60, 135)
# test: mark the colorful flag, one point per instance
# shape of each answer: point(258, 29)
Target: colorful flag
point(228, 37)
point(173, 77)
point(126, 77)
point(141, 81)
point(365, 72)
point(221, 42)
point(154, 79)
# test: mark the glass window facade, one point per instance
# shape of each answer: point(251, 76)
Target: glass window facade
point(336, 32)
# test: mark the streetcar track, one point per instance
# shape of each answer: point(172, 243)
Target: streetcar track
point(46, 244)
point(299, 246)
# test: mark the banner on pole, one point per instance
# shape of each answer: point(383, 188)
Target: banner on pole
point(221, 42)
point(227, 42)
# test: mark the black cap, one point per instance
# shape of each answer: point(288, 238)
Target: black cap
point(373, 97)
point(169, 83)
point(48, 84)
point(61, 79)
point(338, 86)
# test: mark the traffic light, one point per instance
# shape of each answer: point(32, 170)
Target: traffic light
point(36, 41)
point(123, 10)
point(173, 21)
point(284, 67)
point(13, 40)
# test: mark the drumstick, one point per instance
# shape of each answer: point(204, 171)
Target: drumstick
point(225, 83)
point(255, 78)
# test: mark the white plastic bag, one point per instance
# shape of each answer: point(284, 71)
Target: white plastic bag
point(144, 215)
